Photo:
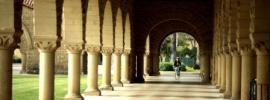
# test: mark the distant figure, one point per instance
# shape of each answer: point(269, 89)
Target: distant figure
point(177, 65)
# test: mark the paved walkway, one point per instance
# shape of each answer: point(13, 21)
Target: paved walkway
point(164, 87)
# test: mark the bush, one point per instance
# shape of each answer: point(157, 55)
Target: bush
point(183, 68)
point(32, 70)
point(197, 67)
point(166, 66)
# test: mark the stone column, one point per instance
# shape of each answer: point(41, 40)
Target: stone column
point(125, 67)
point(216, 70)
point(247, 71)
point(263, 72)
point(146, 63)
point(117, 68)
point(236, 75)
point(204, 63)
point(46, 50)
point(227, 93)
point(219, 71)
point(92, 75)
point(74, 68)
point(223, 72)
point(6, 53)
point(106, 77)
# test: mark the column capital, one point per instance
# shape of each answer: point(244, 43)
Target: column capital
point(118, 51)
point(262, 48)
point(127, 51)
point(246, 51)
point(92, 48)
point(73, 47)
point(46, 45)
point(7, 40)
point(107, 50)
point(146, 53)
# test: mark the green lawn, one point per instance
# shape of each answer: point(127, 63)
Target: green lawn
point(25, 87)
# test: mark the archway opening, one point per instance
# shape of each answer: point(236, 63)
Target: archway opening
point(179, 45)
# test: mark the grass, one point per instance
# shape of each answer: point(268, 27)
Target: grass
point(25, 86)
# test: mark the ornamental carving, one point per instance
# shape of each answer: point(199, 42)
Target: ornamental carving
point(7, 41)
point(246, 50)
point(262, 48)
point(118, 51)
point(127, 51)
point(92, 48)
point(73, 48)
point(45, 45)
point(107, 50)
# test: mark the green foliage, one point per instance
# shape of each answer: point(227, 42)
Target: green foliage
point(197, 67)
point(183, 68)
point(25, 87)
point(166, 66)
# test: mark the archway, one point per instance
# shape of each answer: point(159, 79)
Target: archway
point(182, 45)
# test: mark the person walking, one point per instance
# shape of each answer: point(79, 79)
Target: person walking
point(177, 65)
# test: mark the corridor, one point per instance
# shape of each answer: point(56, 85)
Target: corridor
point(164, 87)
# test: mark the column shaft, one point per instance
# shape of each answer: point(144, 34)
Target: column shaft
point(6, 74)
point(74, 70)
point(263, 73)
point(204, 61)
point(92, 75)
point(125, 68)
point(223, 73)
point(145, 64)
point(46, 75)
point(106, 78)
point(228, 75)
point(219, 71)
point(236, 76)
point(117, 70)
point(247, 72)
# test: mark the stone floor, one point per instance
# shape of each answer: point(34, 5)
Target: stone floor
point(164, 87)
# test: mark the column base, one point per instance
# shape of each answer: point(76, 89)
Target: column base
point(227, 96)
point(217, 87)
point(138, 80)
point(92, 93)
point(221, 90)
point(106, 88)
point(126, 82)
point(73, 97)
point(117, 84)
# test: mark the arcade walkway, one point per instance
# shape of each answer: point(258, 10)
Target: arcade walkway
point(164, 87)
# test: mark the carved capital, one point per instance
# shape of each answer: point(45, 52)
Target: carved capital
point(262, 48)
point(92, 48)
point(7, 40)
point(127, 51)
point(118, 51)
point(45, 45)
point(147, 53)
point(246, 51)
point(107, 50)
point(73, 47)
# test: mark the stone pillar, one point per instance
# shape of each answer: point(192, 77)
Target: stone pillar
point(92, 75)
point(125, 67)
point(106, 77)
point(117, 68)
point(6, 53)
point(247, 71)
point(139, 70)
point(219, 71)
point(223, 73)
point(46, 50)
point(204, 63)
point(74, 71)
point(227, 93)
point(263, 72)
point(146, 64)
point(216, 70)
point(236, 75)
